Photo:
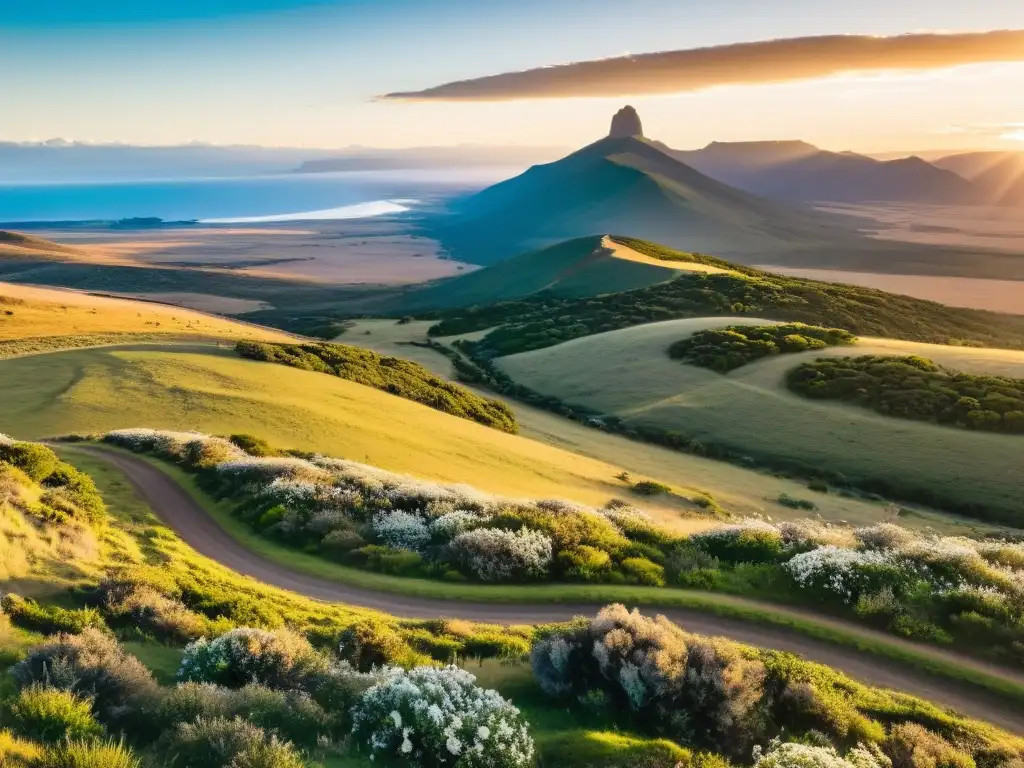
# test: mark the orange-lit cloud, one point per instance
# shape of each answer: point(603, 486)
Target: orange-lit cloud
point(769, 61)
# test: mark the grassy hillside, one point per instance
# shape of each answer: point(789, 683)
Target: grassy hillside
point(542, 321)
point(33, 318)
point(389, 374)
point(625, 185)
point(585, 266)
point(15, 245)
point(739, 489)
point(213, 390)
point(628, 374)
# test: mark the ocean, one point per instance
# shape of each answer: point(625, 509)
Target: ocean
point(284, 197)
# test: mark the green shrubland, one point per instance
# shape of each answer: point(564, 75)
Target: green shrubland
point(543, 321)
point(914, 387)
point(725, 349)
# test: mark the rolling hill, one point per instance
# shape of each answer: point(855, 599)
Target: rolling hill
point(797, 171)
point(628, 374)
point(999, 176)
point(625, 183)
point(584, 266)
point(15, 245)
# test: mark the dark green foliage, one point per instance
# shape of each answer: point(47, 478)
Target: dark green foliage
point(729, 348)
point(650, 488)
point(390, 374)
point(254, 446)
point(542, 321)
point(794, 503)
point(915, 388)
point(370, 643)
point(49, 619)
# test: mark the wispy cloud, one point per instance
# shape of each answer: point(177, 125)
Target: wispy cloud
point(769, 61)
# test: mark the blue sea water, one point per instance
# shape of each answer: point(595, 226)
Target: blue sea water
point(278, 198)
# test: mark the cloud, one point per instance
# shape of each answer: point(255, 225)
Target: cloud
point(1013, 131)
point(769, 61)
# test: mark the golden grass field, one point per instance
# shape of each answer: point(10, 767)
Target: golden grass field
point(31, 312)
point(741, 491)
point(209, 389)
point(629, 374)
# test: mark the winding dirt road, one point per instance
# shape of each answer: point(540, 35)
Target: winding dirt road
point(181, 512)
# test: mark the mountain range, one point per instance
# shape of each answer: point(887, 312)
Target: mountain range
point(999, 176)
point(626, 183)
point(800, 172)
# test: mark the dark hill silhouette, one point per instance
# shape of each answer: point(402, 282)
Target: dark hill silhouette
point(798, 171)
point(631, 185)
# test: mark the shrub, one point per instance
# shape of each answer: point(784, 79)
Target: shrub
point(91, 664)
point(493, 554)
point(254, 446)
point(916, 388)
point(794, 503)
point(35, 460)
point(227, 743)
point(729, 348)
point(849, 573)
point(750, 542)
point(585, 563)
point(372, 643)
point(51, 715)
point(49, 619)
point(665, 681)
point(795, 755)
point(650, 488)
point(91, 754)
point(401, 530)
point(640, 570)
point(913, 746)
point(145, 608)
point(277, 659)
point(439, 717)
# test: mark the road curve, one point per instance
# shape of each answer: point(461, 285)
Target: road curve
point(190, 521)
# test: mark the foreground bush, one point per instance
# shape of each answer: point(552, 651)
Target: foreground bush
point(794, 755)
point(915, 388)
point(729, 348)
point(51, 715)
point(277, 659)
point(90, 754)
point(439, 717)
point(91, 664)
point(391, 374)
point(224, 743)
point(690, 689)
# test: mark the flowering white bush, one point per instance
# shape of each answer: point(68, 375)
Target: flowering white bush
point(498, 555)
point(278, 659)
point(439, 717)
point(5, 440)
point(401, 530)
point(451, 524)
point(846, 573)
point(793, 755)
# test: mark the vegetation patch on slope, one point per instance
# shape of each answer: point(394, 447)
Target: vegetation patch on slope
point(949, 591)
point(913, 387)
point(542, 321)
point(728, 348)
point(323, 689)
point(390, 374)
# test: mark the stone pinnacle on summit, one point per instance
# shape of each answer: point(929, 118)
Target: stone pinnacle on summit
point(626, 123)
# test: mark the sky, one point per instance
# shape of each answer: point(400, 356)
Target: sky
point(309, 74)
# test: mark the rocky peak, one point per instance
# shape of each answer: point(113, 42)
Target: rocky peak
point(626, 123)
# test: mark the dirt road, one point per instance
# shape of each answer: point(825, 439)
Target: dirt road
point(180, 511)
